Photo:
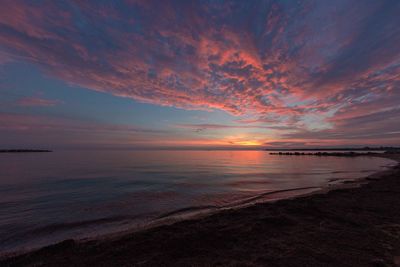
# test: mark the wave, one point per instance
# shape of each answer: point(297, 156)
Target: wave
point(55, 228)
point(235, 204)
point(59, 227)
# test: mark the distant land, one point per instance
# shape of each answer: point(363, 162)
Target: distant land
point(23, 150)
point(382, 148)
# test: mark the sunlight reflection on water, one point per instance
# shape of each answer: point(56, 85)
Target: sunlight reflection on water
point(48, 197)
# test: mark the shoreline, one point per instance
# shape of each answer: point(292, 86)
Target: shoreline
point(128, 240)
point(198, 212)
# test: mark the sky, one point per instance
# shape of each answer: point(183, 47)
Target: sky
point(214, 74)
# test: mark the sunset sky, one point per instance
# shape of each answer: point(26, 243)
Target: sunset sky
point(138, 74)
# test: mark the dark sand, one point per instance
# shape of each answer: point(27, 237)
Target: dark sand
point(357, 226)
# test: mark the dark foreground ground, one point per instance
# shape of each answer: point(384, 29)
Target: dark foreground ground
point(346, 227)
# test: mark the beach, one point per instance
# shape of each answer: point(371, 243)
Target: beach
point(353, 225)
point(200, 133)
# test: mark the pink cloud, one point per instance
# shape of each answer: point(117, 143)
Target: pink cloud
point(271, 63)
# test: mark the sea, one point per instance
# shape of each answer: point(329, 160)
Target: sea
point(46, 198)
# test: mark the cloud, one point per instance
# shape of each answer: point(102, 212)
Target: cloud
point(18, 130)
point(30, 122)
point(37, 102)
point(4, 58)
point(282, 144)
point(305, 64)
point(374, 128)
point(205, 126)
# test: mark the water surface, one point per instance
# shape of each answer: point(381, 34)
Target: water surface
point(49, 197)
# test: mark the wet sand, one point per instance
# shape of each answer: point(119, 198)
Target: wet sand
point(353, 226)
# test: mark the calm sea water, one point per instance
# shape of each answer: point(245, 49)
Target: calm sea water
point(49, 197)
